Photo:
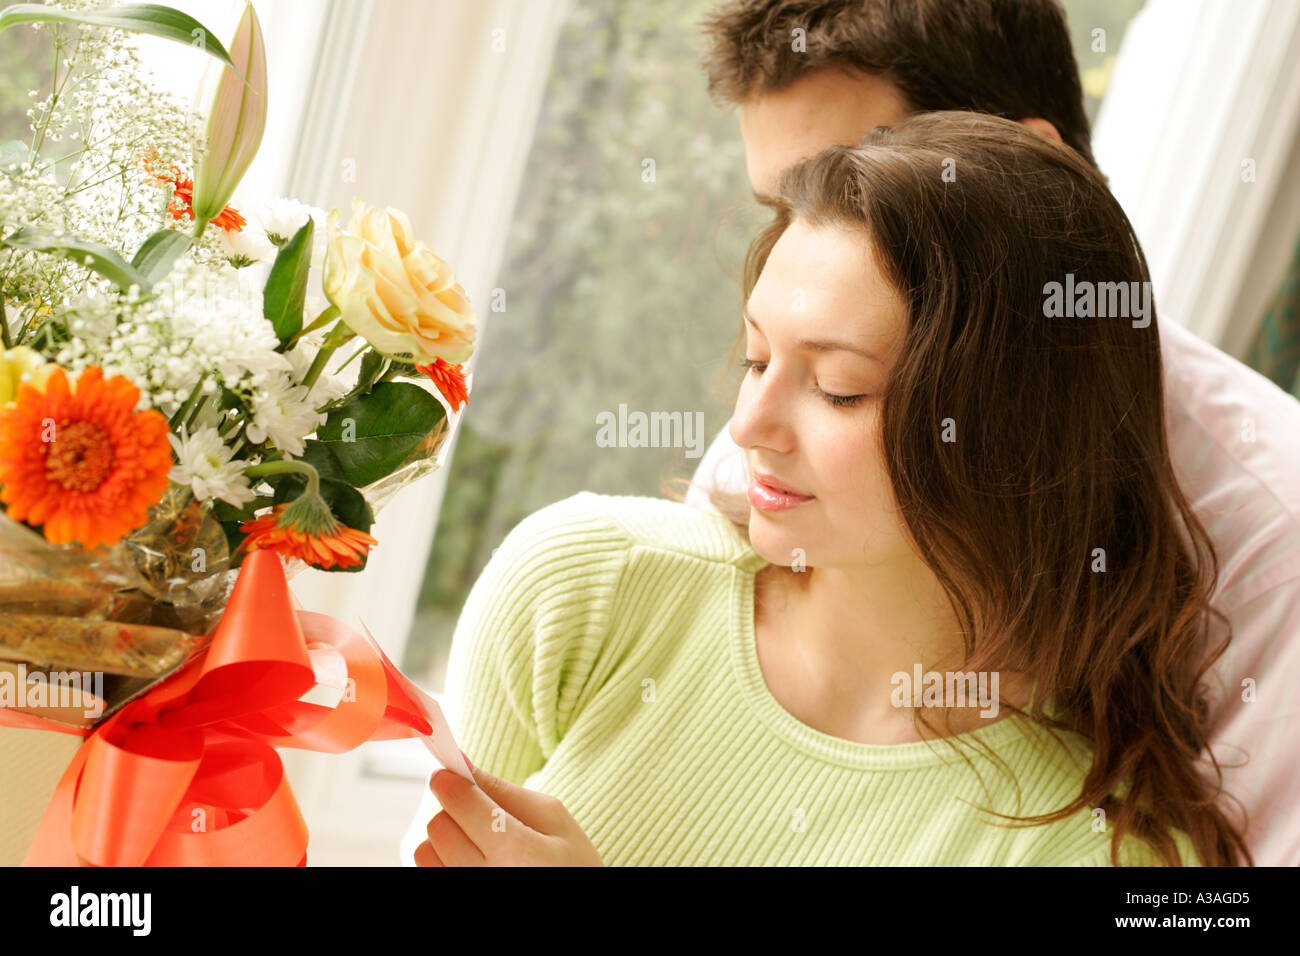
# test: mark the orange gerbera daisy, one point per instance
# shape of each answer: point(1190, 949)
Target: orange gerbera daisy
point(82, 463)
point(182, 201)
point(450, 380)
point(306, 529)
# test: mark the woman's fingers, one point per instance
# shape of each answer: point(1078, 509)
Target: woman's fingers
point(426, 855)
point(453, 847)
point(473, 811)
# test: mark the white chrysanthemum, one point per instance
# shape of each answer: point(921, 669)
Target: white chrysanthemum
point(206, 466)
point(220, 312)
point(282, 413)
point(281, 218)
point(247, 246)
point(327, 386)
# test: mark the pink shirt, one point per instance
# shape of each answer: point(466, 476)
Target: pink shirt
point(1235, 441)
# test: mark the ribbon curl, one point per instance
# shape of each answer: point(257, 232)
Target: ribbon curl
point(187, 774)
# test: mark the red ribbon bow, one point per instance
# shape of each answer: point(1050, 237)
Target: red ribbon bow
point(187, 774)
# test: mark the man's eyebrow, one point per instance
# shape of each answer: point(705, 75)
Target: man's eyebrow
point(820, 345)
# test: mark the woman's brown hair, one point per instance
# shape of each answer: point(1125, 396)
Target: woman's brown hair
point(1054, 521)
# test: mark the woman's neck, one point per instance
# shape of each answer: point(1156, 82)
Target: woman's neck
point(858, 639)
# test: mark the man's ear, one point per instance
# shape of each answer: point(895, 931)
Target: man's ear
point(1042, 127)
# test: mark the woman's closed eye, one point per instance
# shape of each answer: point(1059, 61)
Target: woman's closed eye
point(838, 400)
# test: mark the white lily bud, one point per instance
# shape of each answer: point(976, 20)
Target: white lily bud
point(236, 119)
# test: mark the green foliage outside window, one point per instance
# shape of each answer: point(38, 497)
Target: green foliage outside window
point(621, 285)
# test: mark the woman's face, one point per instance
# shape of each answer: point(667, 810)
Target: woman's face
point(822, 284)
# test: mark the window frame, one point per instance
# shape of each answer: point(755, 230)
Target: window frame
point(456, 177)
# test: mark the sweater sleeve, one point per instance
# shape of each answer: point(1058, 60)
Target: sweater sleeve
point(531, 633)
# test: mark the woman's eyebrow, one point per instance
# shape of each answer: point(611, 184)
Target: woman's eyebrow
point(820, 345)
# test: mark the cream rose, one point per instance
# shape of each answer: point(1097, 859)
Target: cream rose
point(393, 291)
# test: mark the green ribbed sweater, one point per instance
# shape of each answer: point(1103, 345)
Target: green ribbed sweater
point(606, 656)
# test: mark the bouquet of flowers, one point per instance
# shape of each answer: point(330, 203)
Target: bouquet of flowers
point(182, 384)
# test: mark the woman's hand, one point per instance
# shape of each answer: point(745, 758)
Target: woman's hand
point(497, 823)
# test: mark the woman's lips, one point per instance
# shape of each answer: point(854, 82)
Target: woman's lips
point(766, 498)
point(776, 484)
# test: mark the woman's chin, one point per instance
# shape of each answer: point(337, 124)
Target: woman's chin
point(774, 547)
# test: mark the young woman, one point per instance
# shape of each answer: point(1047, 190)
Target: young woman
point(953, 421)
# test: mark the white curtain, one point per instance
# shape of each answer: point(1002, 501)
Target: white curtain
point(1200, 137)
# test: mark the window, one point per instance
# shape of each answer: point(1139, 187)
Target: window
point(619, 289)
point(1097, 29)
point(619, 286)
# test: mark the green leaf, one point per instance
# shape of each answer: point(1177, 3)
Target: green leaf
point(404, 369)
point(286, 286)
point(345, 503)
point(224, 511)
point(234, 538)
point(229, 400)
point(149, 18)
point(155, 257)
point(372, 366)
point(318, 455)
point(395, 424)
point(92, 255)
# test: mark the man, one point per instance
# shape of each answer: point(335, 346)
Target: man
point(807, 74)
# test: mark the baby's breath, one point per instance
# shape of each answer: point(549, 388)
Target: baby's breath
point(85, 176)
point(103, 144)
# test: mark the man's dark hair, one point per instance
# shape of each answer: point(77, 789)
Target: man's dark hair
point(1011, 58)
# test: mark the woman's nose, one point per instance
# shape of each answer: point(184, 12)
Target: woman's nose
point(761, 416)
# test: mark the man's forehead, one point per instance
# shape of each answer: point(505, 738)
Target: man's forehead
point(833, 94)
point(824, 108)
